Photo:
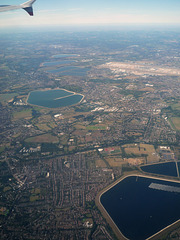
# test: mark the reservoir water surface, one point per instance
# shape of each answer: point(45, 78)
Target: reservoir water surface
point(49, 64)
point(141, 206)
point(64, 55)
point(166, 168)
point(54, 98)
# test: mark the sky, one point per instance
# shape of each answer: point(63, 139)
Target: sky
point(93, 12)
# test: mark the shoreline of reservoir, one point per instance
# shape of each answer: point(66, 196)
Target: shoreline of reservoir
point(108, 218)
point(58, 98)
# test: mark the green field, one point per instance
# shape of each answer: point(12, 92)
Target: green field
point(7, 97)
point(175, 122)
point(27, 113)
point(96, 127)
point(114, 161)
point(35, 194)
point(100, 163)
point(43, 127)
point(176, 106)
point(44, 138)
point(138, 150)
point(2, 148)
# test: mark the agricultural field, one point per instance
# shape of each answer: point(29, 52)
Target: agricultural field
point(45, 123)
point(79, 126)
point(64, 139)
point(135, 161)
point(114, 161)
point(35, 195)
point(2, 148)
point(141, 150)
point(176, 106)
point(44, 138)
point(97, 127)
point(4, 67)
point(130, 134)
point(4, 98)
point(51, 124)
point(16, 135)
point(176, 122)
point(25, 114)
point(100, 163)
point(112, 156)
point(44, 118)
point(43, 127)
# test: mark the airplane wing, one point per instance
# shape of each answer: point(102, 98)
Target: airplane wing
point(27, 6)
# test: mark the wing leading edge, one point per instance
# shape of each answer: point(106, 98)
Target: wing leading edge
point(27, 6)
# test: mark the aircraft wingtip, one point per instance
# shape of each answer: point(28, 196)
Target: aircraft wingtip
point(29, 10)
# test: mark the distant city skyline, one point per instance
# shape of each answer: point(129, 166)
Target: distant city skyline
point(101, 12)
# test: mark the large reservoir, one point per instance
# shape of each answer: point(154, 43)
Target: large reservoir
point(142, 206)
point(54, 98)
point(166, 168)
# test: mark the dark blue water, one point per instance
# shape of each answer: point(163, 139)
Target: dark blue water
point(168, 169)
point(139, 211)
point(48, 64)
point(50, 99)
point(70, 71)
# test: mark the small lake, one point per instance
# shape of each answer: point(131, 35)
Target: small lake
point(54, 98)
point(49, 64)
point(167, 168)
point(70, 71)
point(142, 206)
point(65, 55)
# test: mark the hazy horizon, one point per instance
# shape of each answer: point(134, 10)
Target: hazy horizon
point(86, 28)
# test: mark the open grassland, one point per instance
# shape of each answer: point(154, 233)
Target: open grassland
point(100, 163)
point(26, 114)
point(6, 189)
point(146, 150)
point(72, 113)
point(64, 139)
point(16, 135)
point(97, 127)
point(44, 118)
point(130, 134)
point(36, 191)
point(147, 89)
point(43, 127)
point(52, 124)
point(114, 161)
point(18, 86)
point(2, 148)
point(176, 123)
point(135, 161)
point(34, 198)
point(72, 148)
point(176, 106)
point(4, 98)
point(4, 67)
point(79, 126)
point(45, 122)
point(44, 138)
